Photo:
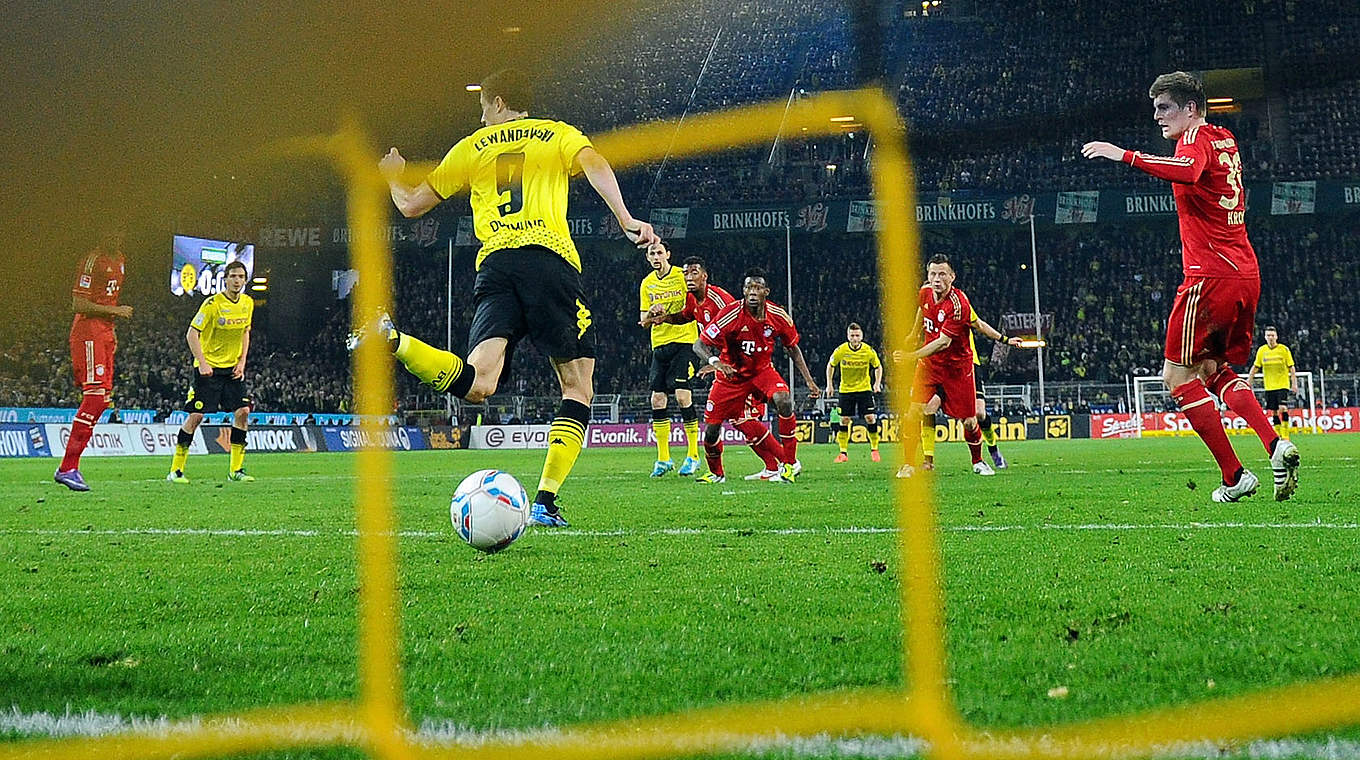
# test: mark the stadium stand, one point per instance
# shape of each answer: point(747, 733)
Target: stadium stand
point(1068, 72)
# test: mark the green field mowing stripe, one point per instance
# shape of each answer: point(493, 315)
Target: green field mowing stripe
point(1097, 566)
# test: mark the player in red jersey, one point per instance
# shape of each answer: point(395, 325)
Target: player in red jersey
point(944, 368)
point(99, 280)
point(739, 344)
point(702, 305)
point(1214, 314)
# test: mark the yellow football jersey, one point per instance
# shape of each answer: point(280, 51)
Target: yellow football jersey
point(669, 291)
point(517, 173)
point(855, 364)
point(222, 324)
point(1276, 363)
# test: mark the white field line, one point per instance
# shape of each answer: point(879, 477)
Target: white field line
point(1133, 469)
point(573, 533)
point(35, 725)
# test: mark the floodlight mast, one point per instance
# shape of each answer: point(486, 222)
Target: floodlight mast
point(1038, 322)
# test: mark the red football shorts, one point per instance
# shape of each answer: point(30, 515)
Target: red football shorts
point(92, 359)
point(728, 398)
point(1212, 318)
point(954, 386)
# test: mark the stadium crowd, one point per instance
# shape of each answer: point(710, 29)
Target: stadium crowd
point(1109, 288)
point(1068, 71)
point(1011, 120)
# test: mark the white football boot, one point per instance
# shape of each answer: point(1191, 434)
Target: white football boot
point(1244, 487)
point(1284, 465)
point(982, 468)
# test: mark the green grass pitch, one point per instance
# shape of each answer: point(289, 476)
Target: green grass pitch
point(1098, 570)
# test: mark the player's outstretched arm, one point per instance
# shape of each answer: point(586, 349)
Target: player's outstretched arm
point(410, 201)
point(1183, 168)
point(993, 333)
point(601, 176)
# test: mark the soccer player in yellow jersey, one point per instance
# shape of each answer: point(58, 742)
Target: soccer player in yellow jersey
point(673, 358)
point(984, 419)
point(855, 358)
point(219, 339)
point(528, 282)
point(1277, 364)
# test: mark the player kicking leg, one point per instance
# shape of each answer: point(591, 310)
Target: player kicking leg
point(529, 281)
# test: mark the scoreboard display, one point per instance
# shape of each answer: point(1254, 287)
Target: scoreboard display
point(198, 265)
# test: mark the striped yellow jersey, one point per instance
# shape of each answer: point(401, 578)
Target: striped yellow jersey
point(1274, 363)
point(517, 173)
point(855, 364)
point(669, 291)
point(222, 324)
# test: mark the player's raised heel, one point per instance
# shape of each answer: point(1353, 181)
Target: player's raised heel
point(176, 476)
point(1284, 466)
point(662, 467)
point(998, 461)
point(1245, 486)
point(874, 456)
point(72, 479)
point(539, 515)
point(688, 467)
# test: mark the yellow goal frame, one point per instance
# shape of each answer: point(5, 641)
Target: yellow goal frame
point(376, 721)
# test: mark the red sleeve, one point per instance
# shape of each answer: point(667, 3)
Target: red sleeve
point(1184, 167)
point(86, 274)
point(713, 332)
point(789, 334)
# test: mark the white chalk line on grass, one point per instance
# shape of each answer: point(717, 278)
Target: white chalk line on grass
point(92, 724)
point(576, 533)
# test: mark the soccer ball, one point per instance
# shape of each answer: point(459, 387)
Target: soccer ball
point(489, 510)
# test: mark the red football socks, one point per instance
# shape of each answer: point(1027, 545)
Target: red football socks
point(787, 438)
point(973, 437)
point(1237, 395)
point(1198, 407)
point(91, 406)
point(762, 442)
point(713, 453)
